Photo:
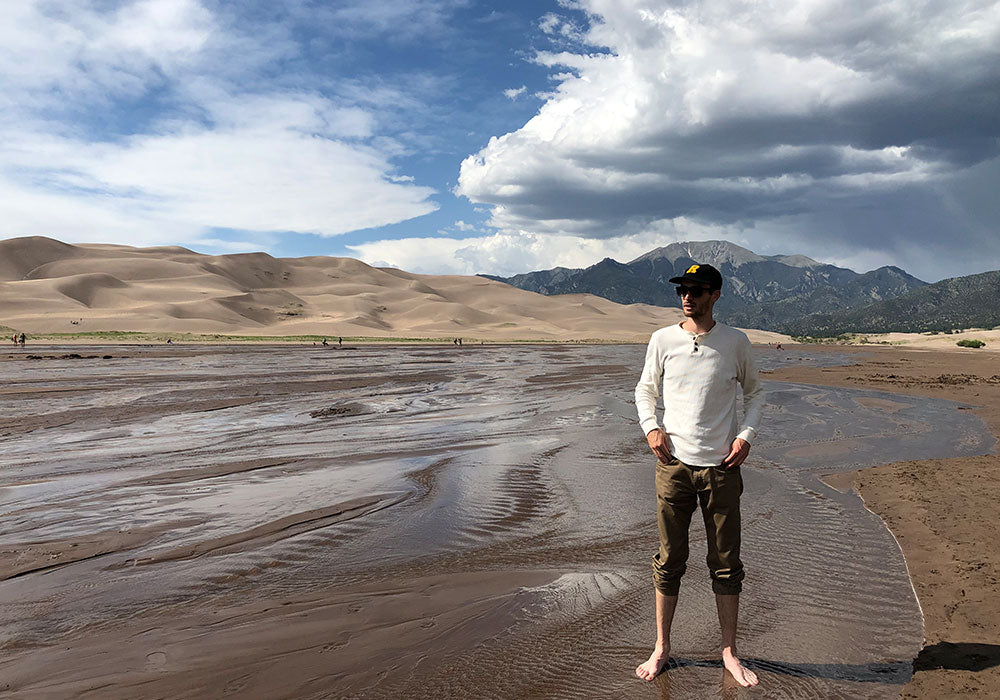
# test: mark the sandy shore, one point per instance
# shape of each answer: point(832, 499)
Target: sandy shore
point(941, 511)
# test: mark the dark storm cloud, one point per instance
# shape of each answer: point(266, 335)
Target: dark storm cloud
point(855, 123)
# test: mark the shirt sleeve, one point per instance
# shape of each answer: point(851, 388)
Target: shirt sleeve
point(648, 388)
point(753, 394)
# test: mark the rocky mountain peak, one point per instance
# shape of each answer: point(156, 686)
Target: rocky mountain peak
point(715, 253)
point(795, 260)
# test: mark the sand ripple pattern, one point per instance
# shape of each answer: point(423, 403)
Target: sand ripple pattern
point(423, 521)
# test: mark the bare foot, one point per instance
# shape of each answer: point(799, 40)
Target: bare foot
point(743, 675)
point(651, 669)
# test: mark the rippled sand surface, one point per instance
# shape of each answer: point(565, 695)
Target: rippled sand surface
point(423, 522)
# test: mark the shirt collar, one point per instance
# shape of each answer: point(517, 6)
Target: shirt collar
point(715, 325)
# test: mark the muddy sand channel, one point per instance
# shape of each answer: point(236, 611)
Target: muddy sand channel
point(427, 522)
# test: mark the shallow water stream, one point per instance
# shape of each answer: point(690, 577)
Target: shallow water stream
point(424, 521)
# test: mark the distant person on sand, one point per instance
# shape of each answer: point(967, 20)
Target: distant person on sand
point(340, 341)
point(21, 339)
point(698, 364)
point(324, 342)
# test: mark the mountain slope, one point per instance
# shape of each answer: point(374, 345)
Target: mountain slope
point(760, 291)
point(960, 302)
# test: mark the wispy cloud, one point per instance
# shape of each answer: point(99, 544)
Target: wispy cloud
point(214, 139)
point(57, 51)
point(514, 93)
point(395, 20)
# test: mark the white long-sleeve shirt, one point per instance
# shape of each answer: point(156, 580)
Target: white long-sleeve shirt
point(699, 374)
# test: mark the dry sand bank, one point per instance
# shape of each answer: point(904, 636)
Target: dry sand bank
point(51, 287)
point(938, 341)
point(943, 513)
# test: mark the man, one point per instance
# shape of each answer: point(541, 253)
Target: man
point(700, 449)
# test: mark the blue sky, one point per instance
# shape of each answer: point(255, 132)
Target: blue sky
point(458, 136)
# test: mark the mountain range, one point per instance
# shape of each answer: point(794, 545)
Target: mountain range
point(783, 293)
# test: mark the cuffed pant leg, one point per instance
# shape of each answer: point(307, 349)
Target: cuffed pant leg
point(720, 507)
point(676, 499)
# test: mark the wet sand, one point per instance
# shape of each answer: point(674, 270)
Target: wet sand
point(424, 521)
point(943, 513)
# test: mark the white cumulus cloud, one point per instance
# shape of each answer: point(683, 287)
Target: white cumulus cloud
point(510, 253)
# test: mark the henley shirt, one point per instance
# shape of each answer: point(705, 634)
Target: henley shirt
point(699, 373)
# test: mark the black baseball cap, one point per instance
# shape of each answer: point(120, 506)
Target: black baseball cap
point(705, 274)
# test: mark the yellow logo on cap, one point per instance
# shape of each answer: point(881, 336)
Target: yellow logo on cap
point(691, 270)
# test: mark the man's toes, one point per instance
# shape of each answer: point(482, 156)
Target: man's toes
point(746, 677)
point(647, 671)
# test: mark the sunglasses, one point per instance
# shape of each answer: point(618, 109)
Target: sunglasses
point(693, 292)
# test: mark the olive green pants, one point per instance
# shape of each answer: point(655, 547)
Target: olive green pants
point(679, 490)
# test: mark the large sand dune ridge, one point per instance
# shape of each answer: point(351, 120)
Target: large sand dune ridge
point(47, 286)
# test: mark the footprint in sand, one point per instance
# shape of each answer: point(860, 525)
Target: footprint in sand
point(156, 661)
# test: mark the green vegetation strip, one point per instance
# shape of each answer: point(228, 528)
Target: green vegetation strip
point(843, 339)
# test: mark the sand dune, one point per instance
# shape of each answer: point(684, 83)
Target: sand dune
point(19, 256)
point(47, 286)
point(87, 288)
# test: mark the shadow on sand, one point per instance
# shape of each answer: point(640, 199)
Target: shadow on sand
point(960, 656)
